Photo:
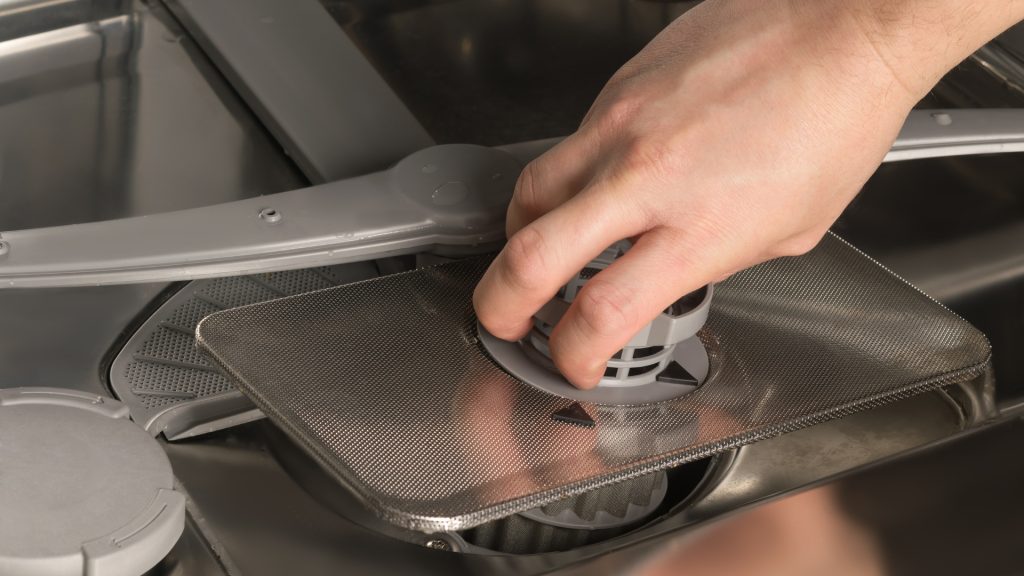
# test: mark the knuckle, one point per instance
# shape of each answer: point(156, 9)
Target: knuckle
point(523, 260)
point(647, 157)
point(622, 110)
point(525, 196)
point(606, 310)
point(680, 257)
point(616, 113)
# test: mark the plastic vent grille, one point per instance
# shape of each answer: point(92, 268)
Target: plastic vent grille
point(162, 376)
point(385, 383)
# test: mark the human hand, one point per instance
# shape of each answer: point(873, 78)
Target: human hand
point(737, 135)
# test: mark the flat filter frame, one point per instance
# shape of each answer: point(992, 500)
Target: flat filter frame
point(385, 382)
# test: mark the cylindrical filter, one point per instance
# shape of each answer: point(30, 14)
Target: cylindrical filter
point(589, 517)
point(663, 360)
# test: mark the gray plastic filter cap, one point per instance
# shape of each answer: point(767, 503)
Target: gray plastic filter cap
point(83, 490)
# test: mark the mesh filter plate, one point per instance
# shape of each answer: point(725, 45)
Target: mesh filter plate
point(385, 383)
point(168, 385)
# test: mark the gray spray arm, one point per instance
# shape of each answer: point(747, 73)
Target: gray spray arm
point(453, 196)
point(938, 133)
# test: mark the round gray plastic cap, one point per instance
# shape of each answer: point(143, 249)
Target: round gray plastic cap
point(83, 490)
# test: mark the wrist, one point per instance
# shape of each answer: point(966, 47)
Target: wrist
point(918, 41)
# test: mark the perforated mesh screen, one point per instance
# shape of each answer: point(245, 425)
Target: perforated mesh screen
point(385, 383)
point(160, 374)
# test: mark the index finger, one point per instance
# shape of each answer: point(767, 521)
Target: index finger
point(544, 255)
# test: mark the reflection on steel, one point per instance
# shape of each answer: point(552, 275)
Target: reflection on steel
point(308, 82)
point(1001, 64)
point(953, 269)
point(107, 111)
point(70, 47)
point(116, 117)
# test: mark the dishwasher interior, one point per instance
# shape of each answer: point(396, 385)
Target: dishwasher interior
point(116, 108)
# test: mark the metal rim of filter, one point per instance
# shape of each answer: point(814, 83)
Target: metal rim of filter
point(314, 479)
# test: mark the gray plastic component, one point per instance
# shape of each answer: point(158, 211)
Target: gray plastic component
point(83, 491)
point(518, 360)
point(402, 404)
point(633, 375)
point(168, 385)
point(452, 195)
point(932, 133)
point(609, 507)
point(938, 133)
point(639, 364)
point(413, 207)
point(308, 83)
point(666, 329)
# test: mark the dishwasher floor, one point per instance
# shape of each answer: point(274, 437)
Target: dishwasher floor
point(957, 508)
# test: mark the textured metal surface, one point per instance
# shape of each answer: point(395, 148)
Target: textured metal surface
point(385, 383)
point(168, 385)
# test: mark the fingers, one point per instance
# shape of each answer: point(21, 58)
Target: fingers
point(549, 181)
point(542, 257)
point(619, 301)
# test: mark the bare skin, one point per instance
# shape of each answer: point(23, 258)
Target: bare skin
point(739, 134)
point(808, 534)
